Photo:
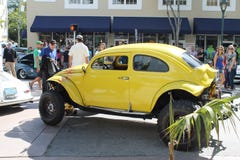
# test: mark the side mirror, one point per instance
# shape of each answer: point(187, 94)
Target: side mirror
point(83, 69)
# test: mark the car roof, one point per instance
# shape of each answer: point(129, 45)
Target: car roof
point(144, 47)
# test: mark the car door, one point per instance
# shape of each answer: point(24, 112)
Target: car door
point(106, 83)
point(150, 74)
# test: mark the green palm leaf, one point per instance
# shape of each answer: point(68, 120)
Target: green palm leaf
point(204, 118)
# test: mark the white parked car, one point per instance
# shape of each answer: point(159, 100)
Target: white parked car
point(13, 91)
point(237, 72)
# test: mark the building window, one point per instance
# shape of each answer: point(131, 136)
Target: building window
point(125, 4)
point(184, 4)
point(214, 5)
point(81, 4)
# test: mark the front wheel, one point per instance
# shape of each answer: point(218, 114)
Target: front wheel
point(180, 108)
point(22, 74)
point(51, 107)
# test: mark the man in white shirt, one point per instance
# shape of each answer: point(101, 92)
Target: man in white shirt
point(78, 53)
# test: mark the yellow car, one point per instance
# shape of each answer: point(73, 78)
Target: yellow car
point(132, 80)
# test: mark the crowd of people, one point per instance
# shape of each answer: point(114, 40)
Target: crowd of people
point(223, 60)
point(48, 59)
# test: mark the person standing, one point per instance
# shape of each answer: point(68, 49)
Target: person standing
point(193, 52)
point(10, 58)
point(101, 47)
point(201, 55)
point(36, 53)
point(1, 56)
point(65, 58)
point(219, 65)
point(230, 67)
point(78, 53)
point(48, 57)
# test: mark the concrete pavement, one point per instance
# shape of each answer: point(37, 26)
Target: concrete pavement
point(23, 136)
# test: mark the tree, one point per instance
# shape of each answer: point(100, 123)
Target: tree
point(17, 19)
point(174, 20)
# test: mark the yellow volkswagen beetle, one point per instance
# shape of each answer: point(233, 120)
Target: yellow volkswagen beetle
point(132, 80)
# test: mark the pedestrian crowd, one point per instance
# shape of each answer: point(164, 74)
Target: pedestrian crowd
point(49, 59)
point(224, 60)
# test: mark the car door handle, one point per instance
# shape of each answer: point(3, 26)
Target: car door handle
point(123, 78)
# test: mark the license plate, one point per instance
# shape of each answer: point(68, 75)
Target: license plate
point(10, 93)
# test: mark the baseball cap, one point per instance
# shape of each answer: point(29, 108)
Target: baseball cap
point(79, 37)
point(39, 42)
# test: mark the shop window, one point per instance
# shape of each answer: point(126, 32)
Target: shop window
point(125, 4)
point(184, 4)
point(214, 5)
point(111, 63)
point(149, 38)
point(81, 4)
point(163, 38)
point(149, 64)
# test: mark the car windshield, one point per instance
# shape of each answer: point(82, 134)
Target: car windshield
point(191, 60)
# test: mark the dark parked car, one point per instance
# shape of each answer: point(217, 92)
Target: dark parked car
point(25, 67)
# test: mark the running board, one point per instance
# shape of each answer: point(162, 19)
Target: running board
point(117, 112)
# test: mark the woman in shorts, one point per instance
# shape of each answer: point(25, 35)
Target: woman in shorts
point(219, 64)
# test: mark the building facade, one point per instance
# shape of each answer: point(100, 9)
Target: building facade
point(131, 21)
point(3, 21)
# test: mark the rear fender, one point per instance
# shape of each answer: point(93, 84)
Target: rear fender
point(70, 87)
point(194, 89)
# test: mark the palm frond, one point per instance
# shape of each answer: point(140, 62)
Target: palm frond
point(202, 119)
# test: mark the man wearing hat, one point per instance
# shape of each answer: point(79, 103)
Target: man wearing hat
point(78, 53)
point(36, 53)
point(48, 59)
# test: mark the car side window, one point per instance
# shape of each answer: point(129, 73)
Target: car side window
point(149, 63)
point(111, 63)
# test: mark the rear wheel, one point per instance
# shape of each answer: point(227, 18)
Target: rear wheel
point(180, 108)
point(51, 107)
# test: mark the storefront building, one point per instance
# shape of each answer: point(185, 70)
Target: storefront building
point(131, 21)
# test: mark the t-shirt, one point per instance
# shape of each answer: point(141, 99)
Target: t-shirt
point(79, 52)
point(229, 58)
point(48, 53)
point(9, 55)
point(36, 54)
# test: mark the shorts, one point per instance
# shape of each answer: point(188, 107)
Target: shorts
point(220, 71)
point(39, 74)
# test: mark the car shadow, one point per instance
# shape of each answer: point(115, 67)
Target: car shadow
point(7, 110)
point(106, 137)
point(95, 136)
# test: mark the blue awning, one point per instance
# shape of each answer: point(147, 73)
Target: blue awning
point(147, 25)
point(213, 26)
point(62, 23)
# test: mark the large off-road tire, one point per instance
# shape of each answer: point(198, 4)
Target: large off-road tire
point(51, 107)
point(180, 108)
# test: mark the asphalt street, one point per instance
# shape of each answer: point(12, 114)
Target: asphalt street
point(103, 137)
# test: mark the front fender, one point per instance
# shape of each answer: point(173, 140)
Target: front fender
point(194, 89)
point(70, 87)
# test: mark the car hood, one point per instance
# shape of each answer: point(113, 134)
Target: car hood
point(72, 70)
